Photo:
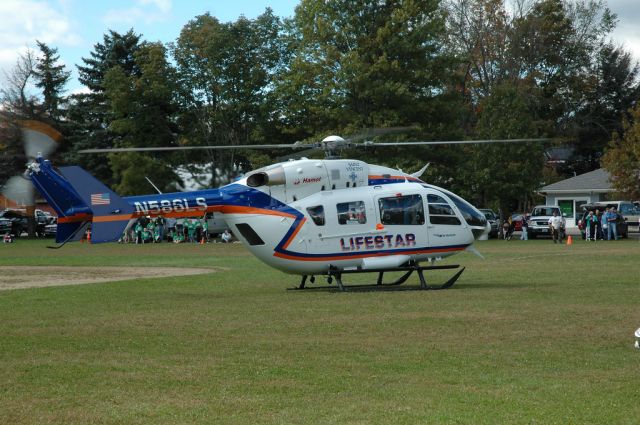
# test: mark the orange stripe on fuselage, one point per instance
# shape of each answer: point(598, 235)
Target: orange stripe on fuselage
point(293, 235)
point(225, 209)
point(74, 218)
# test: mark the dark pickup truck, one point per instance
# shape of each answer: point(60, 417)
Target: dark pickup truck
point(18, 222)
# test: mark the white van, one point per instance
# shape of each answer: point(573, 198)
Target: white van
point(629, 210)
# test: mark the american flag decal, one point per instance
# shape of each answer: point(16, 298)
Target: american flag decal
point(100, 199)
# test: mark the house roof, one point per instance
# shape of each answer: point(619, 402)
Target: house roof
point(593, 181)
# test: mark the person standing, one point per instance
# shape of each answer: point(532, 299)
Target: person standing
point(524, 236)
point(612, 221)
point(598, 231)
point(590, 226)
point(138, 230)
point(556, 224)
point(605, 224)
point(205, 229)
point(160, 228)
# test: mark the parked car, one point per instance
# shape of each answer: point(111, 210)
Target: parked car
point(5, 226)
point(493, 221)
point(622, 226)
point(19, 221)
point(629, 210)
point(539, 220)
point(51, 229)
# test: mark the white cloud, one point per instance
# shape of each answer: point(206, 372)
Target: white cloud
point(163, 5)
point(24, 22)
point(627, 31)
point(147, 11)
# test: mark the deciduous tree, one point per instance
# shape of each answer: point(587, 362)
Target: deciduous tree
point(622, 158)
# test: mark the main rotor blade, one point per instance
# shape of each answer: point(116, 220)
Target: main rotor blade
point(185, 148)
point(382, 131)
point(450, 142)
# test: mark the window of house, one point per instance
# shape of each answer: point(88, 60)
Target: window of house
point(399, 210)
point(351, 212)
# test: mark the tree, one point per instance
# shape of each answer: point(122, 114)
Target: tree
point(227, 72)
point(15, 96)
point(89, 113)
point(361, 64)
point(503, 175)
point(609, 93)
point(622, 158)
point(142, 108)
point(12, 157)
point(51, 78)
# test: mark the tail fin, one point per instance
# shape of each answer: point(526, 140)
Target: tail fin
point(73, 212)
point(108, 212)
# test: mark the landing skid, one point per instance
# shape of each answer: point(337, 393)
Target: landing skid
point(408, 270)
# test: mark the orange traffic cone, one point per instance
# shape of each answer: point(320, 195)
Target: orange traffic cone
point(569, 240)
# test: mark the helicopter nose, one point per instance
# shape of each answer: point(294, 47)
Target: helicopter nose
point(482, 234)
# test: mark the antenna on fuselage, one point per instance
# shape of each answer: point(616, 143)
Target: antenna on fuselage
point(154, 186)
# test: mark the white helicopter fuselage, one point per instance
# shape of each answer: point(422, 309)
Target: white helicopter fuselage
point(330, 214)
point(356, 228)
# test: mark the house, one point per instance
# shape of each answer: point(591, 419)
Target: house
point(576, 191)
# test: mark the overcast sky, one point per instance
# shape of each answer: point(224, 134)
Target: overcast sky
point(74, 26)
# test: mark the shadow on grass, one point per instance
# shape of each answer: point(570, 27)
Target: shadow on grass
point(414, 287)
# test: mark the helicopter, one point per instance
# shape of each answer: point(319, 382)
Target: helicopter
point(308, 217)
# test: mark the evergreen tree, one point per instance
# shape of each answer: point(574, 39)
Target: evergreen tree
point(142, 108)
point(90, 113)
point(51, 78)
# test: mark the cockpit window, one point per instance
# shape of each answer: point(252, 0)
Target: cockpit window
point(435, 199)
point(440, 212)
point(472, 216)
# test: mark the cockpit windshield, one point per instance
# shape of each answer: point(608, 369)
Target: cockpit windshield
point(472, 216)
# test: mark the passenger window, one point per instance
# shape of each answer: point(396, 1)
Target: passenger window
point(351, 213)
point(317, 214)
point(440, 212)
point(401, 210)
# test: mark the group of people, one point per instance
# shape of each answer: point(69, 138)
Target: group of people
point(155, 230)
point(603, 226)
point(508, 227)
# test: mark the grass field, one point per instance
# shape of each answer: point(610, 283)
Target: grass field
point(535, 333)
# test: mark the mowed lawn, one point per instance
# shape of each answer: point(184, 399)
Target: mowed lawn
point(535, 333)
